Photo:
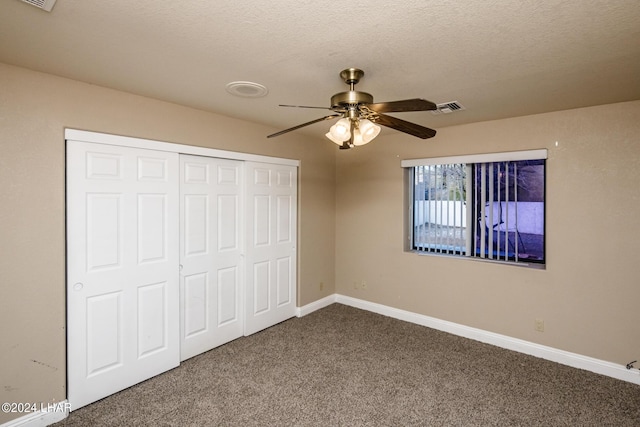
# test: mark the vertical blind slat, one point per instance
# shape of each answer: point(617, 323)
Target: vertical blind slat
point(516, 236)
point(483, 210)
point(490, 203)
point(499, 175)
point(506, 207)
point(469, 232)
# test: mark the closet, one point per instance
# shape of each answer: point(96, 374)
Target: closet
point(172, 250)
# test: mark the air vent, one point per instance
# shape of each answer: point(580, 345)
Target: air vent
point(41, 4)
point(448, 108)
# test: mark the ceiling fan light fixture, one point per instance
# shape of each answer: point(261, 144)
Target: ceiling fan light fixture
point(341, 130)
point(368, 130)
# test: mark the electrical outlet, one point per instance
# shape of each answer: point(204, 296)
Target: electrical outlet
point(539, 325)
point(363, 284)
point(321, 286)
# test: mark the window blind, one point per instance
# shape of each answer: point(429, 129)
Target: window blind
point(487, 206)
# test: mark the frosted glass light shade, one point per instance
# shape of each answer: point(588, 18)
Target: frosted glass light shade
point(368, 130)
point(357, 138)
point(341, 130)
point(337, 141)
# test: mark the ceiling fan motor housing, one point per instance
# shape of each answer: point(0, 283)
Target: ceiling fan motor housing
point(352, 97)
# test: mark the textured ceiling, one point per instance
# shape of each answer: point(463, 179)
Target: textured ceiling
point(498, 58)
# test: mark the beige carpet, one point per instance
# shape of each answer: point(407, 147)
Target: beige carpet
point(341, 366)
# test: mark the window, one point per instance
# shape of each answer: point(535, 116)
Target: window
point(483, 206)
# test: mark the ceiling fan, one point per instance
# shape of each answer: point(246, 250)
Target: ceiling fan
point(360, 116)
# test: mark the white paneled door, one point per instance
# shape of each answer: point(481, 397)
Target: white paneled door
point(271, 224)
point(211, 245)
point(170, 253)
point(122, 275)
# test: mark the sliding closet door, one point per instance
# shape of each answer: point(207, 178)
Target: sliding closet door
point(122, 268)
point(211, 273)
point(271, 245)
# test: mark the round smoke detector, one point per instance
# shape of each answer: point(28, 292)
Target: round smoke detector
point(247, 89)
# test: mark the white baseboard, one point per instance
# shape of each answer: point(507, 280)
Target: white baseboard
point(316, 305)
point(47, 415)
point(574, 360)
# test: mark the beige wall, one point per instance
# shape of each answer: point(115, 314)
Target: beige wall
point(589, 294)
point(34, 110)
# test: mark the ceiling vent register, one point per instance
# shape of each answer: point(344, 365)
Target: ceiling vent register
point(448, 107)
point(41, 4)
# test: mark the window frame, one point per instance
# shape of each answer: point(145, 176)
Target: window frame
point(409, 180)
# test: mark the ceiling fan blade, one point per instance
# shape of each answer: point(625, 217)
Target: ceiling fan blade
point(416, 104)
point(303, 106)
point(404, 126)
point(332, 116)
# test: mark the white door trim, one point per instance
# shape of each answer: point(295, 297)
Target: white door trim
point(126, 141)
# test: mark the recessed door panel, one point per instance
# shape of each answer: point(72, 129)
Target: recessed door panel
point(104, 332)
point(283, 281)
point(195, 304)
point(261, 287)
point(228, 175)
point(152, 319)
point(104, 232)
point(152, 227)
point(283, 215)
point(195, 173)
point(196, 224)
point(228, 293)
point(261, 176)
point(152, 169)
point(103, 166)
point(228, 223)
point(262, 220)
point(285, 178)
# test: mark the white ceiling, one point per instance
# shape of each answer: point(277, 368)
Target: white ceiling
point(498, 58)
